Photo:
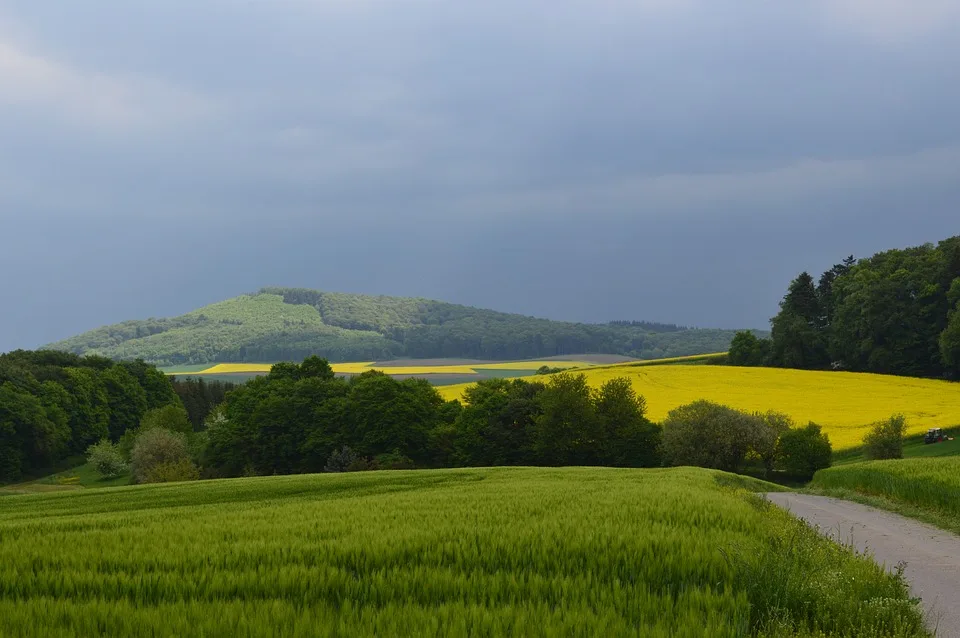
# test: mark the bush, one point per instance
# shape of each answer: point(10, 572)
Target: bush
point(767, 447)
point(885, 440)
point(172, 472)
point(706, 434)
point(106, 459)
point(157, 447)
point(804, 451)
point(393, 461)
point(341, 460)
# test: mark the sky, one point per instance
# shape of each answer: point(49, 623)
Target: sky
point(662, 160)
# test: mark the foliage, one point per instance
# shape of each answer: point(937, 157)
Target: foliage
point(711, 435)
point(885, 439)
point(106, 459)
point(393, 461)
point(182, 469)
point(171, 417)
point(279, 324)
point(747, 349)
point(159, 454)
point(200, 397)
point(544, 370)
point(796, 338)
point(843, 403)
point(804, 451)
point(627, 437)
point(54, 405)
point(894, 313)
point(454, 552)
point(496, 424)
point(766, 446)
point(340, 460)
point(567, 430)
point(300, 418)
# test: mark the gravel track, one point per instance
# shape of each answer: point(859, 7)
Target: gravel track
point(932, 555)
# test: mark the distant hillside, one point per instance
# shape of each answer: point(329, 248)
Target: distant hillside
point(288, 324)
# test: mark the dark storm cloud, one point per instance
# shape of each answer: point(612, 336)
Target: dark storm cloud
point(672, 160)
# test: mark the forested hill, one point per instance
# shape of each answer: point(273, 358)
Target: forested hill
point(289, 324)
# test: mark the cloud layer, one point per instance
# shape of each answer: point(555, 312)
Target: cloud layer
point(673, 160)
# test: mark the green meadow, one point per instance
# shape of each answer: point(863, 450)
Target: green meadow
point(504, 551)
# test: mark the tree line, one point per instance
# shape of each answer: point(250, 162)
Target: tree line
point(302, 418)
point(54, 405)
point(897, 312)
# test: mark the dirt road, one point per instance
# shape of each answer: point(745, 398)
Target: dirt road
point(932, 555)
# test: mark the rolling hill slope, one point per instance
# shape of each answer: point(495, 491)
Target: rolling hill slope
point(287, 324)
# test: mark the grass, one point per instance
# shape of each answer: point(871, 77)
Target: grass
point(844, 403)
point(927, 488)
point(913, 447)
point(81, 476)
point(485, 552)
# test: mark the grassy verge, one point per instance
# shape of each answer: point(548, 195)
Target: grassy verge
point(498, 551)
point(924, 488)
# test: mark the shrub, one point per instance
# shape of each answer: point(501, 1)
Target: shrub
point(156, 447)
point(706, 434)
point(766, 447)
point(106, 459)
point(393, 461)
point(804, 451)
point(172, 472)
point(340, 460)
point(885, 439)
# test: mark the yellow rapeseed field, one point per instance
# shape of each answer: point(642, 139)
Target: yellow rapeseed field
point(366, 366)
point(844, 403)
point(529, 365)
point(341, 368)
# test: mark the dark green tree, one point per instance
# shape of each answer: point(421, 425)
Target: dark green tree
point(126, 399)
point(747, 349)
point(567, 432)
point(803, 451)
point(496, 426)
point(797, 337)
point(627, 437)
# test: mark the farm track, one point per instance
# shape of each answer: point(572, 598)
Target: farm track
point(932, 555)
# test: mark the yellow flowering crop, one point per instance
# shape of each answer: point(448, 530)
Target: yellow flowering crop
point(844, 403)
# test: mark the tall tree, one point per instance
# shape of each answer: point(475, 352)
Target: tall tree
point(797, 333)
point(567, 432)
point(627, 437)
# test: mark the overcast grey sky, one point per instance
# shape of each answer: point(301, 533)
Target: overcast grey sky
point(670, 160)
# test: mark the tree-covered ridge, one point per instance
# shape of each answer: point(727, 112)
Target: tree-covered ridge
point(897, 312)
point(279, 324)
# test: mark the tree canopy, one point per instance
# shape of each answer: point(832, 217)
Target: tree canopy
point(897, 312)
point(54, 405)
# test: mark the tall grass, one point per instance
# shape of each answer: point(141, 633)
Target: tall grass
point(519, 551)
point(927, 483)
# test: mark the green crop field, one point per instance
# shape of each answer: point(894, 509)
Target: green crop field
point(925, 487)
point(521, 551)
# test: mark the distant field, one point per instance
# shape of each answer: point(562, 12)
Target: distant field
point(845, 404)
point(406, 368)
point(482, 552)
